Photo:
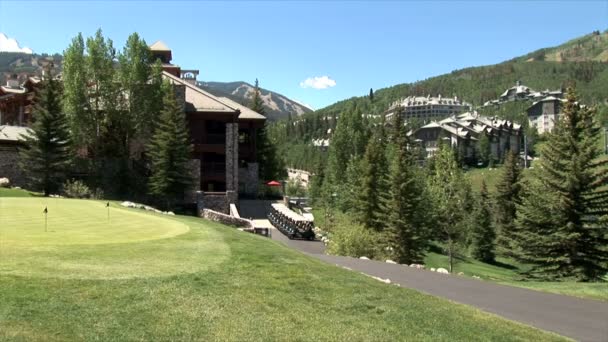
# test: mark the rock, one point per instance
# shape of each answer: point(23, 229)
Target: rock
point(4, 182)
point(432, 269)
point(476, 277)
point(442, 270)
point(386, 281)
point(128, 204)
point(364, 258)
point(418, 266)
point(170, 213)
point(389, 261)
point(460, 273)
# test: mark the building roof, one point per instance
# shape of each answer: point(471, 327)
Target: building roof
point(246, 112)
point(159, 46)
point(428, 100)
point(12, 133)
point(198, 100)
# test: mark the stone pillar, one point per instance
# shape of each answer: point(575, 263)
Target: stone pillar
point(180, 95)
point(232, 156)
point(195, 172)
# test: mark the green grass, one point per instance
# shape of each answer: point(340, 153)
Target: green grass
point(10, 192)
point(505, 271)
point(229, 285)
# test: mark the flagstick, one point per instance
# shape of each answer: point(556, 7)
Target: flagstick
point(45, 218)
point(108, 206)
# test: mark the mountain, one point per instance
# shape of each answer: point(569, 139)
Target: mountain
point(277, 105)
point(590, 47)
point(582, 61)
point(25, 64)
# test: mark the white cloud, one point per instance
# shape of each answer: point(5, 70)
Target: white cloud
point(11, 45)
point(318, 82)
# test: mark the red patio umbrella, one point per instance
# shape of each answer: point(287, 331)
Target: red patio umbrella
point(273, 183)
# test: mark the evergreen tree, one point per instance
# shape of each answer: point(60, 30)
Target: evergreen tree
point(406, 232)
point(257, 104)
point(483, 236)
point(485, 153)
point(450, 193)
point(371, 94)
point(270, 165)
point(508, 192)
point(563, 219)
point(46, 156)
point(373, 181)
point(170, 151)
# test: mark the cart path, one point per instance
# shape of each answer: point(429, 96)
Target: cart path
point(577, 318)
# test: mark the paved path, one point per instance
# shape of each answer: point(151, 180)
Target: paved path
point(580, 319)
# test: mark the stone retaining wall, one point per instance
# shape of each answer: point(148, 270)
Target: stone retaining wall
point(215, 216)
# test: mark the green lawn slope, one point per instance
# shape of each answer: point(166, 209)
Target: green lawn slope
point(212, 283)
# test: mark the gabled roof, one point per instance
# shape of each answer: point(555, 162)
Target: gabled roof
point(159, 46)
point(198, 100)
point(246, 112)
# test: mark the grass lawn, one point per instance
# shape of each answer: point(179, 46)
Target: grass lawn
point(9, 192)
point(505, 271)
point(153, 277)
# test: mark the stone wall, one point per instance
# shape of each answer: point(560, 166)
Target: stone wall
point(9, 166)
point(226, 219)
point(232, 155)
point(249, 179)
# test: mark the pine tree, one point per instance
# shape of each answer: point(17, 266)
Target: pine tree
point(170, 151)
point(563, 219)
point(406, 232)
point(373, 181)
point(451, 197)
point(257, 104)
point(47, 154)
point(508, 195)
point(270, 165)
point(371, 94)
point(483, 236)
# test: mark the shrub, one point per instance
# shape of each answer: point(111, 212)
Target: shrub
point(354, 240)
point(76, 189)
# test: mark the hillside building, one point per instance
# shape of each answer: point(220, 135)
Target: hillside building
point(428, 108)
point(544, 113)
point(464, 132)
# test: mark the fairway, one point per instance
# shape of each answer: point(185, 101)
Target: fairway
point(82, 242)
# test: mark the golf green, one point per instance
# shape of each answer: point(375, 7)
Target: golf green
point(80, 240)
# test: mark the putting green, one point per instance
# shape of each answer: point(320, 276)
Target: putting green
point(81, 242)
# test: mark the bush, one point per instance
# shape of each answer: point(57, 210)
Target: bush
point(76, 189)
point(295, 189)
point(354, 240)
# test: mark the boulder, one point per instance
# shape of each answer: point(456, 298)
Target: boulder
point(389, 261)
point(364, 258)
point(460, 273)
point(4, 182)
point(442, 270)
point(432, 269)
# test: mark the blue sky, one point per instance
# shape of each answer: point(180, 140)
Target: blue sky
point(357, 45)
